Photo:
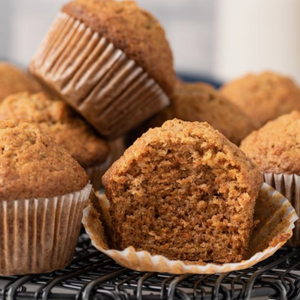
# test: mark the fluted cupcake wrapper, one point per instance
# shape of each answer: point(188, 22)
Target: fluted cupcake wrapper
point(276, 216)
point(40, 235)
point(110, 90)
point(289, 186)
point(95, 173)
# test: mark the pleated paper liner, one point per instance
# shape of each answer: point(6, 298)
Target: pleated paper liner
point(276, 216)
point(289, 186)
point(98, 80)
point(95, 173)
point(40, 235)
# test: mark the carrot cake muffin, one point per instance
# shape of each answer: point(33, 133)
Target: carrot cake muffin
point(185, 192)
point(65, 126)
point(274, 148)
point(201, 102)
point(43, 191)
point(110, 60)
point(263, 96)
point(14, 80)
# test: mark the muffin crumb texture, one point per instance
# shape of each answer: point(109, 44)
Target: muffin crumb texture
point(32, 165)
point(275, 147)
point(185, 192)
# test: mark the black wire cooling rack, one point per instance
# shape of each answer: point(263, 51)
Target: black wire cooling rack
point(93, 275)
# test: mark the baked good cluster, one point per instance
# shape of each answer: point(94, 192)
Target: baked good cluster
point(101, 81)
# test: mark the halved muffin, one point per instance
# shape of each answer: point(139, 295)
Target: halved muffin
point(185, 192)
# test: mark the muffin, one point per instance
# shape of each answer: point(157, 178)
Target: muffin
point(274, 148)
point(263, 96)
point(110, 60)
point(14, 80)
point(43, 191)
point(185, 192)
point(65, 126)
point(201, 102)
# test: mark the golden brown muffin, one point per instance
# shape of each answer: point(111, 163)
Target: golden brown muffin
point(183, 191)
point(131, 29)
point(32, 165)
point(274, 148)
point(201, 102)
point(110, 60)
point(64, 125)
point(14, 80)
point(263, 96)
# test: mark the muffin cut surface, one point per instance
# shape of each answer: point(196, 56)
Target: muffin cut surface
point(183, 191)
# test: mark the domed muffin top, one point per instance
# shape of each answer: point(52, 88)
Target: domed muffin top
point(275, 147)
point(136, 32)
point(32, 165)
point(177, 133)
point(263, 96)
point(64, 125)
point(201, 102)
point(14, 80)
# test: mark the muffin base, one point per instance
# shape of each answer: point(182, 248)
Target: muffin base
point(98, 80)
point(289, 186)
point(40, 235)
point(276, 221)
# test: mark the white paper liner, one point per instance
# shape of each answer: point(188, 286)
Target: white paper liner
point(282, 224)
point(108, 89)
point(289, 186)
point(40, 235)
point(96, 173)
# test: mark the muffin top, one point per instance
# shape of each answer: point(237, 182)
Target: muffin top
point(136, 32)
point(264, 96)
point(14, 80)
point(275, 147)
point(201, 102)
point(32, 165)
point(64, 125)
point(178, 133)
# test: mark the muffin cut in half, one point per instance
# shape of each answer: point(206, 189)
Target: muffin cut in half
point(185, 192)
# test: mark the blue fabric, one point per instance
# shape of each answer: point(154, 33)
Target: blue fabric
point(195, 78)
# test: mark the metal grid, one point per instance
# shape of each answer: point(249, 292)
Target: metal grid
point(93, 275)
